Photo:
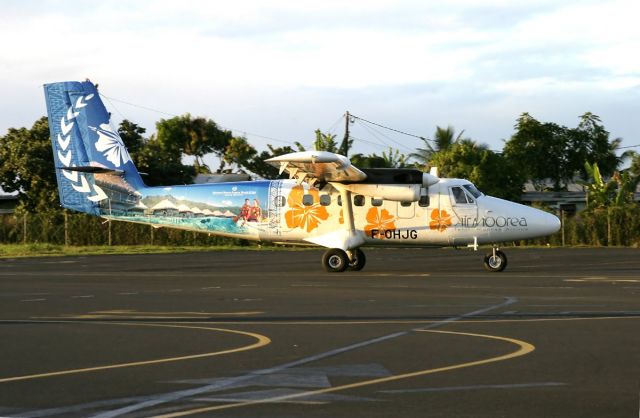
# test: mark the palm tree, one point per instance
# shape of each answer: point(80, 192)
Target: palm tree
point(443, 139)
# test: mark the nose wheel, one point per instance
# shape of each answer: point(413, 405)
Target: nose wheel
point(336, 260)
point(495, 261)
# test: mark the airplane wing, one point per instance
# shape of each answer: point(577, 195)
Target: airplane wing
point(317, 166)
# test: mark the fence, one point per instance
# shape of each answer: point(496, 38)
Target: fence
point(600, 227)
point(79, 229)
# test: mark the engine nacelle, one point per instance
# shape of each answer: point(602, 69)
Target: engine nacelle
point(394, 192)
point(429, 179)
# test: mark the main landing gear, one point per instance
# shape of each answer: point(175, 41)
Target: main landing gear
point(336, 260)
point(495, 261)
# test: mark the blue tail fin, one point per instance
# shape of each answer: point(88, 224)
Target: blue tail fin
point(92, 163)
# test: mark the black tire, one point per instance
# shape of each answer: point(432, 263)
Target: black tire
point(359, 260)
point(335, 260)
point(497, 263)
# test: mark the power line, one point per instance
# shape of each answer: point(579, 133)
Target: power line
point(246, 133)
point(371, 142)
point(376, 132)
point(138, 106)
point(630, 146)
point(391, 129)
point(335, 124)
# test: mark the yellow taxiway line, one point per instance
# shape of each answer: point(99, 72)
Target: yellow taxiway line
point(261, 341)
point(523, 349)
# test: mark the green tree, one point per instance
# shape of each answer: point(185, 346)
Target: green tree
point(634, 169)
point(27, 167)
point(258, 166)
point(618, 191)
point(195, 137)
point(325, 142)
point(548, 151)
point(443, 139)
point(590, 142)
point(132, 136)
point(162, 166)
point(490, 172)
point(540, 150)
point(389, 159)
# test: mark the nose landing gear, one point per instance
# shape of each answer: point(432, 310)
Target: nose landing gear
point(336, 260)
point(495, 261)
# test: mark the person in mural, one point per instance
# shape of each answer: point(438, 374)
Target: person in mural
point(255, 212)
point(244, 212)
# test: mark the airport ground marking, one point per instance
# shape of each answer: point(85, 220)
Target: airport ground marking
point(176, 396)
point(261, 342)
point(524, 348)
point(419, 321)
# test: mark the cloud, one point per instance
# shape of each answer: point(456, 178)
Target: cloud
point(284, 68)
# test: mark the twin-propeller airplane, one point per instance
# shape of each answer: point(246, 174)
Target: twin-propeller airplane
point(327, 201)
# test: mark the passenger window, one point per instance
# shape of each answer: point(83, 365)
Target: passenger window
point(406, 204)
point(376, 202)
point(339, 200)
point(279, 201)
point(459, 195)
point(307, 200)
point(325, 200)
point(358, 200)
point(424, 201)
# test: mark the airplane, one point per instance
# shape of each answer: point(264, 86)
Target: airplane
point(326, 201)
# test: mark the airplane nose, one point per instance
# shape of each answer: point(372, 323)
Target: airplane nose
point(546, 223)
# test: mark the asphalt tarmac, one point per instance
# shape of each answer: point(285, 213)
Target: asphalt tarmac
point(417, 333)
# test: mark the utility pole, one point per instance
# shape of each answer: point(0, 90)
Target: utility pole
point(66, 228)
point(344, 146)
point(24, 228)
point(109, 230)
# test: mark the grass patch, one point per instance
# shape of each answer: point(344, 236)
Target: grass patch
point(46, 250)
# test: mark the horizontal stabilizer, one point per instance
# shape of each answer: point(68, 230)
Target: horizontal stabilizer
point(93, 170)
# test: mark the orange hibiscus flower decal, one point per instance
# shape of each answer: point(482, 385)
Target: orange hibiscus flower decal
point(379, 221)
point(301, 216)
point(440, 220)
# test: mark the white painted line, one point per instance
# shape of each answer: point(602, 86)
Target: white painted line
point(210, 287)
point(218, 386)
point(476, 387)
point(32, 300)
point(128, 293)
point(82, 297)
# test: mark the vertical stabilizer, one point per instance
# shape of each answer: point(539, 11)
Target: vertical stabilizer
point(91, 160)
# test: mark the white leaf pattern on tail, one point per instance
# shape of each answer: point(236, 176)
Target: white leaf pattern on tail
point(64, 140)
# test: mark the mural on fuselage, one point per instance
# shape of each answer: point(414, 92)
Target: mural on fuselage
point(241, 209)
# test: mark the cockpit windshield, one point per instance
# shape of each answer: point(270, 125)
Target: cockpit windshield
point(473, 190)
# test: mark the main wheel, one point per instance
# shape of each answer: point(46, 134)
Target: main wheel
point(495, 263)
point(358, 261)
point(335, 260)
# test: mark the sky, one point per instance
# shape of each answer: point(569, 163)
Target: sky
point(276, 71)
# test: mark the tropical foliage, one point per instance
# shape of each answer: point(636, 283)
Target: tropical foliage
point(548, 154)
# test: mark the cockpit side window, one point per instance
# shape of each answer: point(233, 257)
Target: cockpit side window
point(473, 190)
point(460, 196)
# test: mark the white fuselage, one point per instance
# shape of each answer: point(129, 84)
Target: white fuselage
point(450, 216)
